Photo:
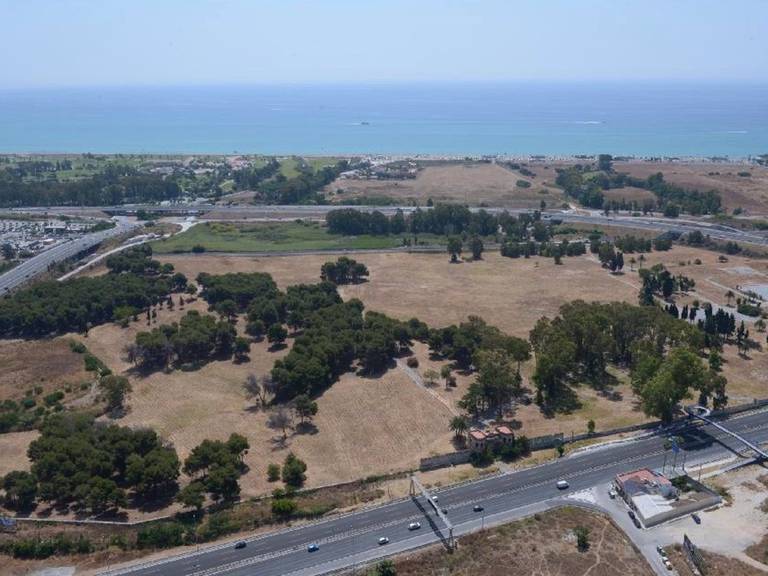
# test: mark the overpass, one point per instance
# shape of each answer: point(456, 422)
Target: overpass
point(702, 413)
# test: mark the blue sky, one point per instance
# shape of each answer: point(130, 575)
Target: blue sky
point(119, 42)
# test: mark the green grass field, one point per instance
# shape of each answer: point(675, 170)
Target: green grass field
point(270, 237)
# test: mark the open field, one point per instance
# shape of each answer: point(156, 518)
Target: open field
point(24, 366)
point(747, 192)
point(470, 183)
point(514, 294)
point(263, 237)
point(543, 544)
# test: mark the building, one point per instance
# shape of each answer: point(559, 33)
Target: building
point(479, 440)
point(655, 499)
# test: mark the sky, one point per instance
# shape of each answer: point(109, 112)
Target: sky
point(55, 43)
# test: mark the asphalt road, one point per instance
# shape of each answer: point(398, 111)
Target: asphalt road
point(38, 264)
point(351, 539)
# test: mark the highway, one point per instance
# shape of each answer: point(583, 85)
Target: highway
point(588, 217)
point(38, 264)
point(351, 539)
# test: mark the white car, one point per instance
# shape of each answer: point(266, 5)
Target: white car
point(383, 540)
point(434, 498)
point(562, 484)
point(414, 526)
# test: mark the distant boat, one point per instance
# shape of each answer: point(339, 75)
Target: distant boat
point(364, 123)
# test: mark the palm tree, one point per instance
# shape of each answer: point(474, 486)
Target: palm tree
point(459, 427)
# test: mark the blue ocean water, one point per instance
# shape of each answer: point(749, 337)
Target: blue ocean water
point(552, 119)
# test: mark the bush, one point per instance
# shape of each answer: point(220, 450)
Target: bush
point(162, 535)
point(77, 347)
point(412, 362)
point(273, 472)
point(198, 248)
point(582, 538)
point(283, 507)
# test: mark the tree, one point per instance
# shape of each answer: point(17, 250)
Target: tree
point(20, 490)
point(115, 389)
point(279, 420)
point(675, 376)
point(294, 471)
point(276, 334)
point(459, 427)
point(192, 496)
point(255, 388)
point(582, 538)
point(454, 248)
point(591, 427)
point(242, 348)
point(8, 251)
point(498, 379)
point(430, 377)
point(476, 246)
point(447, 376)
point(304, 407)
point(222, 482)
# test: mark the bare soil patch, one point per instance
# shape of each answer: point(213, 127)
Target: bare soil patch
point(471, 183)
point(543, 544)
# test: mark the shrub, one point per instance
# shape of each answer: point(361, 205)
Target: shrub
point(412, 362)
point(162, 535)
point(273, 472)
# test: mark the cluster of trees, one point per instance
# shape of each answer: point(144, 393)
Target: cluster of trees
point(659, 280)
point(442, 220)
point(304, 188)
point(251, 177)
point(630, 244)
point(344, 271)
point(577, 345)
point(266, 315)
point(587, 182)
point(515, 249)
point(77, 304)
point(215, 468)
point(92, 466)
point(241, 288)
point(195, 338)
point(610, 258)
point(662, 382)
point(333, 338)
point(116, 184)
point(464, 343)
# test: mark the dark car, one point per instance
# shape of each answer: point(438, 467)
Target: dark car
point(631, 514)
point(241, 544)
point(313, 548)
point(696, 518)
point(477, 508)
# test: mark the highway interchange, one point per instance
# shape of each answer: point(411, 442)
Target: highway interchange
point(352, 539)
point(38, 264)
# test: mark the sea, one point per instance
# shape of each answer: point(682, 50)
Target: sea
point(650, 119)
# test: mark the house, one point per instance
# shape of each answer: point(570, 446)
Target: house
point(479, 439)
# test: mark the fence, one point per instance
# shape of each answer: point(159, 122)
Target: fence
point(693, 555)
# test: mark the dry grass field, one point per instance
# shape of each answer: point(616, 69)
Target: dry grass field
point(749, 193)
point(542, 545)
point(48, 364)
point(470, 183)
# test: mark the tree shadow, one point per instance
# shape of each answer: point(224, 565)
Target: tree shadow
point(153, 503)
point(307, 428)
point(277, 346)
point(241, 359)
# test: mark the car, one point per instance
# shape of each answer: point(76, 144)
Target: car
point(637, 523)
point(313, 548)
point(434, 498)
point(612, 494)
point(383, 540)
point(696, 518)
point(661, 551)
point(667, 564)
point(562, 484)
point(241, 544)
point(477, 508)
point(414, 526)
point(631, 514)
